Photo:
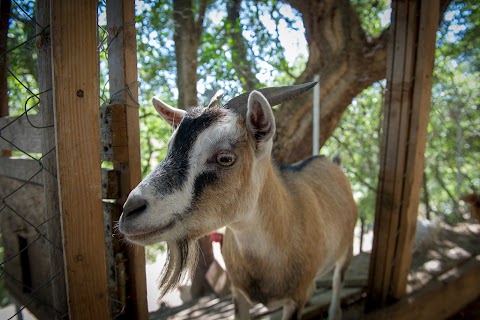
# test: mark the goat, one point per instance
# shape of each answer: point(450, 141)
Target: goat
point(284, 224)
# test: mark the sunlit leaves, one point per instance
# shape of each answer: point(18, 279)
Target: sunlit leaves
point(374, 15)
point(459, 32)
point(357, 141)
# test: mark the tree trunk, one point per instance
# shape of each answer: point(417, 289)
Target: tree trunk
point(243, 67)
point(187, 40)
point(5, 6)
point(339, 52)
point(347, 61)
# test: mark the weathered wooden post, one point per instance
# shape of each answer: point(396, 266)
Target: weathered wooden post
point(407, 104)
point(49, 161)
point(121, 142)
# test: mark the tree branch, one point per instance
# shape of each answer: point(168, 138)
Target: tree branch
point(201, 17)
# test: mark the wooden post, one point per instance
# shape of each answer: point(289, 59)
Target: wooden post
point(122, 61)
point(76, 107)
point(49, 161)
point(407, 105)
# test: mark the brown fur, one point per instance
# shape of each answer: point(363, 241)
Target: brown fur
point(309, 216)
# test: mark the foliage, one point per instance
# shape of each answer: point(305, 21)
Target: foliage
point(374, 15)
point(458, 33)
point(21, 58)
point(453, 135)
point(357, 141)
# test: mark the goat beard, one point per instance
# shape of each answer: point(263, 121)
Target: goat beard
point(182, 257)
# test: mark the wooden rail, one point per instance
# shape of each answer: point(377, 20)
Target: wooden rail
point(125, 141)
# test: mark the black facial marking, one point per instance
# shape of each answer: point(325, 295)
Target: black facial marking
point(203, 180)
point(173, 170)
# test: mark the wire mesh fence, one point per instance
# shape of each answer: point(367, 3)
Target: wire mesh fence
point(30, 232)
point(32, 271)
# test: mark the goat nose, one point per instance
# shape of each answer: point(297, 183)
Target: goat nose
point(134, 206)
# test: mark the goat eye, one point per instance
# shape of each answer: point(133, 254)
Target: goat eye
point(226, 159)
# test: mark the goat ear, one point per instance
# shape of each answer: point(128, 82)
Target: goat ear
point(260, 119)
point(172, 115)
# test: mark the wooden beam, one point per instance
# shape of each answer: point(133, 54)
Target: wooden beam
point(122, 61)
point(415, 145)
point(49, 160)
point(18, 133)
point(407, 104)
point(76, 105)
point(441, 298)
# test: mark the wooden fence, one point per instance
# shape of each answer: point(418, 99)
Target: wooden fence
point(58, 206)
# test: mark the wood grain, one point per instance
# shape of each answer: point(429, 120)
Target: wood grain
point(76, 96)
point(122, 61)
point(407, 104)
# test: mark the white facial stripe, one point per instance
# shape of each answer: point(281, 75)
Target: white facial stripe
point(215, 138)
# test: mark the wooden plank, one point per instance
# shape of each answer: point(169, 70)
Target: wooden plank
point(76, 103)
point(387, 197)
point(49, 160)
point(402, 154)
point(380, 239)
point(17, 133)
point(395, 168)
point(420, 109)
point(439, 299)
point(21, 169)
point(397, 134)
point(122, 61)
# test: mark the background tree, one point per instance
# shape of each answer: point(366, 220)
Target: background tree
point(188, 29)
